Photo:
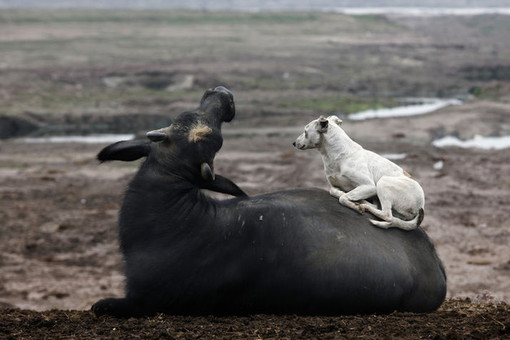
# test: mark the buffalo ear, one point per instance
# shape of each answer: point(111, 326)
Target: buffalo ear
point(323, 124)
point(126, 151)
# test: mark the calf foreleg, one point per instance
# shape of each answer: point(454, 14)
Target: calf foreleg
point(335, 192)
point(362, 192)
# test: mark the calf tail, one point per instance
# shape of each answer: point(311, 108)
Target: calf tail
point(395, 222)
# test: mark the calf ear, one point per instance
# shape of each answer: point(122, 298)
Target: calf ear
point(126, 151)
point(336, 120)
point(323, 124)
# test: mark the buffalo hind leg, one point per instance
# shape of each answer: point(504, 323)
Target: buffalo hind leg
point(121, 308)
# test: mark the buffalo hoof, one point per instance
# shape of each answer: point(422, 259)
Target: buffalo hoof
point(114, 307)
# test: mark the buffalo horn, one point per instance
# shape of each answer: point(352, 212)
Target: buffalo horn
point(207, 172)
point(157, 135)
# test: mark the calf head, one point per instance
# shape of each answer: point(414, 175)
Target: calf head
point(312, 137)
point(185, 149)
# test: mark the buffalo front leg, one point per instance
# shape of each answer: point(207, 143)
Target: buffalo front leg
point(121, 307)
point(349, 199)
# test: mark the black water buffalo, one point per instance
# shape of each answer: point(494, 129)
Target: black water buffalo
point(293, 251)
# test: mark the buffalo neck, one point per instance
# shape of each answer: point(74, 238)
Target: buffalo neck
point(170, 187)
point(157, 206)
point(212, 118)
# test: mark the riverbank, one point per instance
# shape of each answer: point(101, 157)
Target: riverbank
point(129, 71)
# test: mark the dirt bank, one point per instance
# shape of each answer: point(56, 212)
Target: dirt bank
point(457, 319)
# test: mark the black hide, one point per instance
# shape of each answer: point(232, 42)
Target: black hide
point(294, 251)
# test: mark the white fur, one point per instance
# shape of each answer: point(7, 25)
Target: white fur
point(356, 174)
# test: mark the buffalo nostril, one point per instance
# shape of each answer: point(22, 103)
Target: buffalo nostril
point(294, 143)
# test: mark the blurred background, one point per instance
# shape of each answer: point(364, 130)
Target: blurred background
point(425, 83)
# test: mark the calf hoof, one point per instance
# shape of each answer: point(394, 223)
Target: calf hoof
point(357, 207)
point(113, 307)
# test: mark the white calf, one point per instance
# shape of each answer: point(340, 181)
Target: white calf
point(356, 174)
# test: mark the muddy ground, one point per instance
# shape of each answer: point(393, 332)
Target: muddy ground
point(89, 72)
point(59, 211)
point(456, 319)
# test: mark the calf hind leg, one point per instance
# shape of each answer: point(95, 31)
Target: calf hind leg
point(384, 213)
point(358, 194)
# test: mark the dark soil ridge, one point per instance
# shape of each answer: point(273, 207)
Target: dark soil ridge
point(456, 319)
point(34, 125)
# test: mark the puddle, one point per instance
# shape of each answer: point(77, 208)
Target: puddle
point(89, 139)
point(424, 11)
point(394, 156)
point(427, 106)
point(479, 142)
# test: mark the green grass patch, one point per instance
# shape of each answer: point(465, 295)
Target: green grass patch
point(490, 91)
point(14, 166)
point(178, 17)
point(375, 21)
point(332, 104)
point(371, 18)
point(58, 99)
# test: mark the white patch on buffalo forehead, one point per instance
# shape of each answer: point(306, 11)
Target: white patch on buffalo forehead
point(198, 132)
